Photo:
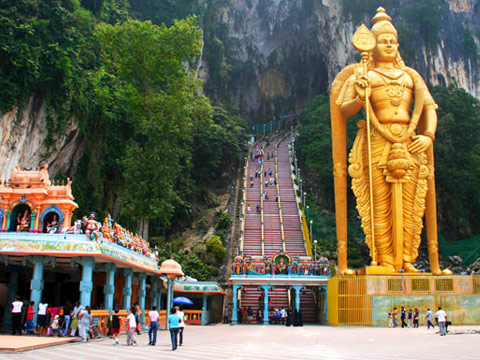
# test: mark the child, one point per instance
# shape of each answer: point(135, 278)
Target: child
point(115, 326)
point(132, 325)
point(390, 320)
point(55, 326)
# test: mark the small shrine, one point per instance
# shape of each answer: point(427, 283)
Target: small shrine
point(99, 264)
point(31, 202)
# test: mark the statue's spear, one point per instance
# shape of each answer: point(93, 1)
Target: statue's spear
point(364, 41)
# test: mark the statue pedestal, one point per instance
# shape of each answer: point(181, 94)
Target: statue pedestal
point(366, 300)
point(383, 270)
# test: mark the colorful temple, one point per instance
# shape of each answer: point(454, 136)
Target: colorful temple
point(44, 258)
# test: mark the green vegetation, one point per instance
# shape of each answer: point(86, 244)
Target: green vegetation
point(151, 135)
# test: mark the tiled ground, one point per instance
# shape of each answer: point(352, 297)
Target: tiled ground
point(279, 342)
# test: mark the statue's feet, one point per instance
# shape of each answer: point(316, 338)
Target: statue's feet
point(447, 272)
point(409, 268)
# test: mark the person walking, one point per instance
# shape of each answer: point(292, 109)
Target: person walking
point(410, 318)
point(138, 312)
point(75, 314)
point(441, 317)
point(403, 316)
point(30, 325)
point(181, 326)
point(17, 316)
point(115, 326)
point(173, 323)
point(390, 320)
point(394, 315)
point(84, 323)
point(67, 317)
point(132, 326)
point(152, 332)
point(428, 316)
point(415, 318)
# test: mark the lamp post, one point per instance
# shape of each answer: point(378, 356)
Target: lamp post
point(311, 223)
point(171, 269)
point(264, 125)
point(315, 251)
point(304, 197)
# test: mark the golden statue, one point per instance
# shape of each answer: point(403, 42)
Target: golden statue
point(392, 157)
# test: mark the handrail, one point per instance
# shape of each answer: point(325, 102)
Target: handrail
point(244, 201)
point(300, 212)
point(261, 203)
point(280, 213)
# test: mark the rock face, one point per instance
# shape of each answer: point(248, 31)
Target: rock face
point(282, 53)
point(23, 134)
point(287, 51)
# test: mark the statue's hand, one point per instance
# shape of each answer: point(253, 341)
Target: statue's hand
point(362, 85)
point(420, 143)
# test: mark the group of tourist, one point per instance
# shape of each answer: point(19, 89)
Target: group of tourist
point(410, 319)
point(52, 320)
point(277, 316)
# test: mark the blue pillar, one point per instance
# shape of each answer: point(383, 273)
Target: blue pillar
point(325, 304)
point(109, 288)
point(127, 289)
point(142, 292)
point(235, 305)
point(297, 289)
point(86, 285)
point(170, 283)
point(265, 288)
point(159, 300)
point(12, 292)
point(154, 292)
point(204, 309)
point(36, 285)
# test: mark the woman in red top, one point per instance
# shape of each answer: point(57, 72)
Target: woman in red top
point(30, 313)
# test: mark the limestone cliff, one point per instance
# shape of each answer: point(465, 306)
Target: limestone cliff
point(286, 51)
point(23, 134)
point(270, 57)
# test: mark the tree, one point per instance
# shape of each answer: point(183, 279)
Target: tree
point(159, 96)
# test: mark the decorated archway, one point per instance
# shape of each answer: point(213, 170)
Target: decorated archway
point(20, 214)
point(48, 216)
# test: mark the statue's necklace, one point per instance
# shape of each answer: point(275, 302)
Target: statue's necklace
point(394, 86)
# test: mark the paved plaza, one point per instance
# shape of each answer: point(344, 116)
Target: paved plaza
point(278, 342)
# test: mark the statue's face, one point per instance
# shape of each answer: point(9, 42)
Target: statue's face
point(386, 48)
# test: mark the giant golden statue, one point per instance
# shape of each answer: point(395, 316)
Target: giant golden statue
point(392, 157)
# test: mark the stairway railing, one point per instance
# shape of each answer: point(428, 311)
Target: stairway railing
point(244, 201)
point(282, 230)
point(301, 215)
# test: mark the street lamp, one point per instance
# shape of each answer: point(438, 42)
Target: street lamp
point(304, 198)
point(311, 223)
point(264, 129)
point(171, 269)
point(315, 251)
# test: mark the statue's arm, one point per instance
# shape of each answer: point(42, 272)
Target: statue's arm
point(351, 103)
point(429, 119)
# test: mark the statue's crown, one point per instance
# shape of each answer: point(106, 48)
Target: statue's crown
point(382, 24)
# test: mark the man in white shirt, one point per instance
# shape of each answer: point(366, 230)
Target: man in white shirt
point(181, 315)
point(441, 317)
point(17, 316)
point(42, 320)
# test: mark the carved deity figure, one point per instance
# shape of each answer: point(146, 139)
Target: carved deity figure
point(392, 165)
point(52, 226)
point(23, 222)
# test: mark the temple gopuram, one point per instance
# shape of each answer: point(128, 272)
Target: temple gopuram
point(43, 258)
